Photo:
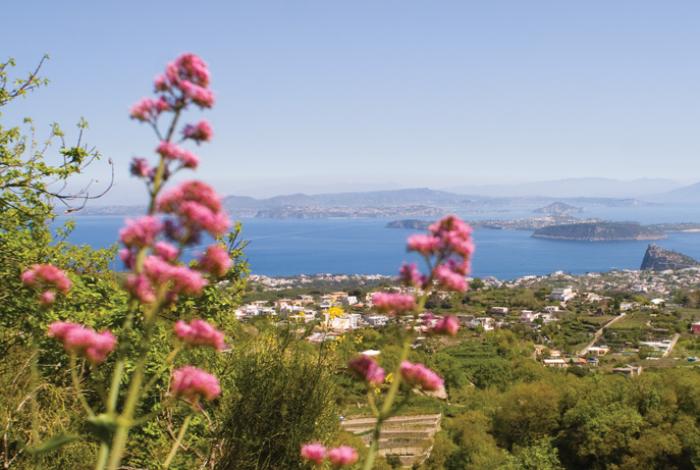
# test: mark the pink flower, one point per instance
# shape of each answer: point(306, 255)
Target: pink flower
point(200, 217)
point(342, 456)
point(215, 261)
point(199, 333)
point(313, 452)
point(148, 109)
point(141, 288)
point(410, 276)
point(200, 132)
point(47, 278)
point(423, 244)
point(450, 279)
point(448, 325)
point(196, 191)
point(83, 341)
point(188, 67)
point(393, 303)
point(367, 369)
point(182, 279)
point(128, 257)
point(202, 97)
point(141, 232)
point(421, 376)
point(140, 167)
point(160, 83)
point(189, 159)
point(47, 297)
point(168, 150)
point(191, 384)
point(166, 251)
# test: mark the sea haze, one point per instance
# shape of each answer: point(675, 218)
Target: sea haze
point(366, 246)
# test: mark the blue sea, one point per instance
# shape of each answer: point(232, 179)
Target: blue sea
point(366, 246)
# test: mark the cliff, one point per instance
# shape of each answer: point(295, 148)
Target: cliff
point(599, 231)
point(661, 259)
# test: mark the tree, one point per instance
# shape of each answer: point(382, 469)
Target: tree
point(528, 413)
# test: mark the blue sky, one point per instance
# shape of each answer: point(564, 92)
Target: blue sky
point(328, 95)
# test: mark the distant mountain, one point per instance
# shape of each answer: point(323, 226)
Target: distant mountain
point(575, 187)
point(414, 202)
point(686, 194)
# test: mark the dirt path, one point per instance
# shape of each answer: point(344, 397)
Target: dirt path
point(598, 334)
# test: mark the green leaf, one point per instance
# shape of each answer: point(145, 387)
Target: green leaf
point(54, 443)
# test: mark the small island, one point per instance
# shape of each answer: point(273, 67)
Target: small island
point(559, 209)
point(600, 232)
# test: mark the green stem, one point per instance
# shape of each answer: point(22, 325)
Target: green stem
point(178, 441)
point(76, 385)
point(34, 383)
point(102, 456)
point(387, 406)
point(386, 409)
point(125, 420)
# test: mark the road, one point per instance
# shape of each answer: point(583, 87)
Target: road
point(672, 345)
point(598, 334)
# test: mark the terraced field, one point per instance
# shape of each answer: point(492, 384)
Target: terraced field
point(410, 438)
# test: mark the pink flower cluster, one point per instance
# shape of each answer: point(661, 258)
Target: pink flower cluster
point(199, 333)
point(190, 75)
point(367, 369)
point(200, 132)
point(141, 232)
point(158, 271)
point(420, 376)
point(148, 109)
point(449, 243)
point(393, 303)
point(83, 341)
point(191, 384)
point(215, 261)
point(338, 457)
point(182, 279)
point(171, 151)
point(48, 279)
point(447, 325)
point(197, 207)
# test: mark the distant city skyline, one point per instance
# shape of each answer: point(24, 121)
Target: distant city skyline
point(317, 96)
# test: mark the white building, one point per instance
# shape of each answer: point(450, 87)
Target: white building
point(562, 294)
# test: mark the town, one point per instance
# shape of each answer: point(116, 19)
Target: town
point(620, 322)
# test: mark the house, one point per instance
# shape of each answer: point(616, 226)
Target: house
point(528, 316)
point(557, 363)
point(487, 323)
point(377, 321)
point(598, 350)
point(552, 309)
point(562, 294)
point(628, 370)
point(345, 322)
point(695, 328)
point(626, 306)
point(499, 310)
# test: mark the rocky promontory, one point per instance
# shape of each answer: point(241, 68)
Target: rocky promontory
point(599, 232)
point(661, 259)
